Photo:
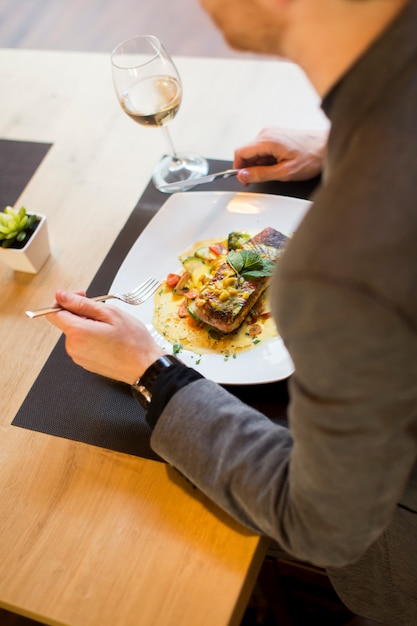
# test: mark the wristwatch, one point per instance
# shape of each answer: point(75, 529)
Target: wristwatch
point(142, 388)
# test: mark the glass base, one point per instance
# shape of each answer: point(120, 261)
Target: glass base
point(178, 169)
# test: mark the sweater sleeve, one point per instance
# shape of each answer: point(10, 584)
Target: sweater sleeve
point(328, 487)
point(169, 381)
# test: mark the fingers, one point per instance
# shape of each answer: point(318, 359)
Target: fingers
point(279, 154)
point(104, 339)
point(261, 174)
point(258, 163)
point(258, 153)
point(78, 305)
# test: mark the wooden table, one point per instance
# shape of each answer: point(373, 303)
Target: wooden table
point(89, 536)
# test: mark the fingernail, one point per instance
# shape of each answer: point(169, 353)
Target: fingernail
point(61, 295)
point(244, 176)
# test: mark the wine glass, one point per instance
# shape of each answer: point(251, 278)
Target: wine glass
point(149, 90)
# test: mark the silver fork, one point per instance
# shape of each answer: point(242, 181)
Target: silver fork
point(135, 297)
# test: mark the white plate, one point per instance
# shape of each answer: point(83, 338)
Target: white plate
point(189, 217)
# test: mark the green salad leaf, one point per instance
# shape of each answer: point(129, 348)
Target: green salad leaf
point(249, 264)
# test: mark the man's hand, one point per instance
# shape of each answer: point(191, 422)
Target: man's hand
point(104, 339)
point(281, 155)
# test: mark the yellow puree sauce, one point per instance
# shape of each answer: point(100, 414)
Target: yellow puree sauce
point(184, 332)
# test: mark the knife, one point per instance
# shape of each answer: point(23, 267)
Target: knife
point(192, 182)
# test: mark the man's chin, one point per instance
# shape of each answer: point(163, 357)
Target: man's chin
point(241, 42)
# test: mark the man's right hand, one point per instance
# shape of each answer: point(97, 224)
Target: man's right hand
point(279, 154)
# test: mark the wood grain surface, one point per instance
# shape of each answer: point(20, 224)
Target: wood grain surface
point(89, 536)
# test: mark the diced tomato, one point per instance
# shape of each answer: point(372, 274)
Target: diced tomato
point(172, 280)
point(191, 294)
point(217, 249)
point(266, 316)
point(193, 323)
point(254, 330)
point(182, 309)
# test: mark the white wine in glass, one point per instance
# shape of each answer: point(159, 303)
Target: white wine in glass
point(149, 90)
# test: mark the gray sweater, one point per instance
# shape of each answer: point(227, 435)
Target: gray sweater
point(339, 488)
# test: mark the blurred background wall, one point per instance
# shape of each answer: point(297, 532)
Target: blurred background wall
point(98, 25)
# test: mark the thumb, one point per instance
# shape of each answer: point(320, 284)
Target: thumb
point(257, 174)
point(263, 173)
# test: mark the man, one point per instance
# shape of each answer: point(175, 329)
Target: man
point(339, 488)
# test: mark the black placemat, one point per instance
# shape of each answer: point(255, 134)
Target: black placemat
point(67, 401)
point(18, 162)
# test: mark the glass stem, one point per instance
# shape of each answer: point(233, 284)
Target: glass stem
point(168, 139)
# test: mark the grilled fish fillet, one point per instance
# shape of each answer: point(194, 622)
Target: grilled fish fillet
point(226, 299)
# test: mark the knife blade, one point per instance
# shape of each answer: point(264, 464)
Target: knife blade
point(186, 184)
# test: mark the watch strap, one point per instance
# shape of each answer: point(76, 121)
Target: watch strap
point(142, 389)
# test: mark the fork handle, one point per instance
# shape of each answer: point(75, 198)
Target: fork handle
point(54, 309)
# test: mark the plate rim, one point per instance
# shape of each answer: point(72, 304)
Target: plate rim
point(188, 197)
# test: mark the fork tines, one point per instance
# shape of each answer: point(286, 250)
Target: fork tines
point(142, 292)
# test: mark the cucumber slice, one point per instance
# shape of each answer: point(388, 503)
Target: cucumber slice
point(204, 252)
point(192, 262)
point(197, 274)
point(197, 267)
point(190, 309)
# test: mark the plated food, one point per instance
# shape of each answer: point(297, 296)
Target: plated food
point(218, 300)
point(200, 217)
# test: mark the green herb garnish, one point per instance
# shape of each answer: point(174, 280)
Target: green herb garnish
point(176, 348)
point(249, 264)
point(236, 239)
